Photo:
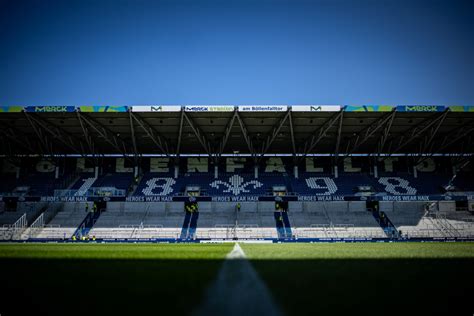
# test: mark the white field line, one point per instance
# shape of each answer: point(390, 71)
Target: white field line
point(238, 290)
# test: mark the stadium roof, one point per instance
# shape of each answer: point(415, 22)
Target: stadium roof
point(227, 129)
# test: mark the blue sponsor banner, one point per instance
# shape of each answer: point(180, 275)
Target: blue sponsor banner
point(50, 108)
point(241, 198)
point(323, 198)
point(420, 108)
point(420, 198)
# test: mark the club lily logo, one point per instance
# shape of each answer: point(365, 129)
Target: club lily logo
point(236, 185)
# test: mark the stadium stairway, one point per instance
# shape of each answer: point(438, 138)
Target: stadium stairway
point(87, 224)
point(386, 224)
point(188, 230)
point(133, 188)
point(286, 222)
point(283, 226)
point(193, 225)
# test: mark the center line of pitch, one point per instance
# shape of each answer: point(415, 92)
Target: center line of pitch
point(238, 290)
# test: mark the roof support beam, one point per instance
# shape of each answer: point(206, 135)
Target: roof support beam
point(152, 133)
point(320, 133)
point(453, 137)
point(20, 139)
point(415, 132)
point(180, 133)
point(61, 135)
point(385, 134)
point(88, 138)
point(273, 134)
point(107, 135)
point(42, 139)
point(227, 131)
point(199, 134)
point(470, 144)
point(370, 130)
point(246, 135)
point(428, 143)
point(338, 141)
point(462, 162)
point(292, 135)
point(132, 131)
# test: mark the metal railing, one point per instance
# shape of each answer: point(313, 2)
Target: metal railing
point(337, 231)
point(14, 231)
point(36, 227)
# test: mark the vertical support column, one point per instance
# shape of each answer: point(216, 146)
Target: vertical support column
point(216, 172)
point(336, 172)
point(96, 171)
point(176, 171)
point(415, 172)
point(135, 171)
point(18, 172)
point(376, 169)
point(296, 172)
point(56, 172)
point(255, 172)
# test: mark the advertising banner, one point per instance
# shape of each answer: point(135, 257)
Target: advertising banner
point(242, 198)
point(263, 108)
point(156, 108)
point(315, 108)
point(98, 108)
point(368, 108)
point(11, 109)
point(241, 108)
point(420, 108)
point(461, 108)
point(209, 108)
point(50, 108)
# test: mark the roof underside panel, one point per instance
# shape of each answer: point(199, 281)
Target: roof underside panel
point(229, 132)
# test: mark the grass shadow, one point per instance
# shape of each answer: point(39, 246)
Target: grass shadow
point(177, 287)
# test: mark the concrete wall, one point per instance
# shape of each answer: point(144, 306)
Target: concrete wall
point(171, 214)
point(386, 206)
point(408, 207)
point(205, 207)
point(447, 206)
point(357, 206)
point(223, 207)
point(406, 213)
point(295, 207)
point(266, 207)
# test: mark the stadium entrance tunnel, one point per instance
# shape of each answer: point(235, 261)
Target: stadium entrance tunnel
point(100, 205)
point(10, 205)
point(164, 279)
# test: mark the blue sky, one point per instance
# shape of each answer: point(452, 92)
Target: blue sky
point(236, 52)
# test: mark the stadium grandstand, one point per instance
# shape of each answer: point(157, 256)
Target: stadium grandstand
point(198, 173)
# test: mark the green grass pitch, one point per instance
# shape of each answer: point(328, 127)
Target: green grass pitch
point(171, 279)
